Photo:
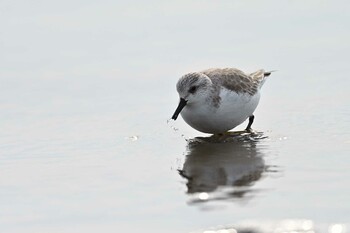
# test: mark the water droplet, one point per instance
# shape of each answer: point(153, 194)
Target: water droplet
point(133, 138)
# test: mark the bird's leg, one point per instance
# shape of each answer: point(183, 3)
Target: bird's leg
point(251, 120)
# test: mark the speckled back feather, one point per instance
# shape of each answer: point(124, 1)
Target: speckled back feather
point(237, 81)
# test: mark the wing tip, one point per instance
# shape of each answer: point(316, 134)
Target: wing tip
point(268, 73)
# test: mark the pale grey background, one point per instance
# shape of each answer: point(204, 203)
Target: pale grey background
point(78, 78)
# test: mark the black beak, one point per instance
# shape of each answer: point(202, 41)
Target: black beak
point(181, 105)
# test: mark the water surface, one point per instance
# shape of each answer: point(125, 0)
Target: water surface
point(87, 89)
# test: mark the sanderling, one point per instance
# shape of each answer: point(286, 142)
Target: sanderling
point(217, 100)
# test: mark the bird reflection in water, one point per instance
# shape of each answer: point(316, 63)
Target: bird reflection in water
point(223, 167)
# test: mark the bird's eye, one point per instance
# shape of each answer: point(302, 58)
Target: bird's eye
point(193, 89)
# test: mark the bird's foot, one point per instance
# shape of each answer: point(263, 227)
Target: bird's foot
point(249, 130)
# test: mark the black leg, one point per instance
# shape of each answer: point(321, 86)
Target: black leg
point(251, 120)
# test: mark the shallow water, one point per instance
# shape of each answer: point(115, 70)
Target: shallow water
point(87, 89)
point(223, 169)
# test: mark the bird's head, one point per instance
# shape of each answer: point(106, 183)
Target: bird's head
point(192, 89)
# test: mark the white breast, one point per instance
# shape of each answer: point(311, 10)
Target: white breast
point(233, 110)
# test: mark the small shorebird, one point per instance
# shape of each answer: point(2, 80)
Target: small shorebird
point(217, 100)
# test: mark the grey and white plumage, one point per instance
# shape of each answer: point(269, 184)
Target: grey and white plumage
point(217, 100)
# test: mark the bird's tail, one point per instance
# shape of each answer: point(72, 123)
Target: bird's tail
point(260, 76)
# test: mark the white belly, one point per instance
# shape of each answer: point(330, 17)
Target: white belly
point(233, 110)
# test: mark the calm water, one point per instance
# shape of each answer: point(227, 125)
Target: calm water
point(87, 89)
